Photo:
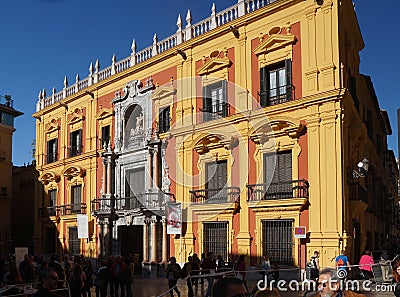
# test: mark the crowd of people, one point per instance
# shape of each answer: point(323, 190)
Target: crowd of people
point(73, 273)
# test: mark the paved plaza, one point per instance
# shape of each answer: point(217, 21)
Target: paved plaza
point(156, 287)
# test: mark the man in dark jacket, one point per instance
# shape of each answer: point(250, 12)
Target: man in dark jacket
point(49, 283)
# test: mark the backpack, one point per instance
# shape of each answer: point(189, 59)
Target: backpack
point(340, 262)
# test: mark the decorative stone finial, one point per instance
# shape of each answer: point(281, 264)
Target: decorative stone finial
point(133, 46)
point(77, 78)
point(213, 9)
point(54, 90)
point(40, 95)
point(91, 69)
point(44, 93)
point(97, 66)
point(114, 59)
point(179, 22)
point(188, 19)
point(65, 82)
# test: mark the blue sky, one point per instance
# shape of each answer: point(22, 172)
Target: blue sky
point(44, 40)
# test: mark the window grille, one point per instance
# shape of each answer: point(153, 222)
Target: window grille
point(216, 238)
point(74, 242)
point(277, 240)
point(105, 136)
point(75, 143)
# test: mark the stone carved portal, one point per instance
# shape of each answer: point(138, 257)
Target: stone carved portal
point(134, 126)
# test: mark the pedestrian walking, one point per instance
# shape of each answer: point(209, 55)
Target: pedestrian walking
point(366, 262)
point(342, 262)
point(208, 267)
point(88, 270)
point(118, 276)
point(241, 270)
point(173, 271)
point(186, 272)
point(77, 281)
point(49, 283)
point(196, 269)
point(314, 261)
point(101, 281)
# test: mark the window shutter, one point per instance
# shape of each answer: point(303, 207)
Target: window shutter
point(263, 86)
point(207, 103)
point(161, 121)
point(288, 66)
point(167, 119)
point(71, 144)
point(48, 151)
point(55, 149)
point(224, 98)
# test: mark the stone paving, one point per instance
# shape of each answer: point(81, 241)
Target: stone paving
point(146, 287)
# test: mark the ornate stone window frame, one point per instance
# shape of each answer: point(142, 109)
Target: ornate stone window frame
point(276, 48)
point(74, 176)
point(280, 134)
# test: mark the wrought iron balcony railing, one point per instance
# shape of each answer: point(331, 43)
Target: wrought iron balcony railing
point(358, 192)
point(276, 96)
point(62, 210)
point(215, 111)
point(75, 208)
point(281, 190)
point(221, 195)
point(47, 211)
point(144, 200)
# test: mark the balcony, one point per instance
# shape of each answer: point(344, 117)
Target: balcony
point(274, 191)
point(276, 96)
point(216, 110)
point(213, 196)
point(140, 201)
point(62, 210)
point(49, 211)
point(358, 192)
point(69, 209)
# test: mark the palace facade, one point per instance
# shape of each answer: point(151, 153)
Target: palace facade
point(256, 120)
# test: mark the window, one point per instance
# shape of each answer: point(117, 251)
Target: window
point(164, 119)
point(50, 240)
point(52, 202)
point(277, 240)
point(73, 241)
point(216, 182)
point(214, 101)
point(76, 198)
point(276, 83)
point(278, 170)
point(105, 136)
point(135, 185)
point(52, 147)
point(75, 143)
point(216, 238)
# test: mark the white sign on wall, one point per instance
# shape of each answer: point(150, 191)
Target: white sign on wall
point(83, 226)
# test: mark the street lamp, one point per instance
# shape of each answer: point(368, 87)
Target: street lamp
point(362, 168)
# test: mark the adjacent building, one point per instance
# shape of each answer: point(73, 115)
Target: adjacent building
point(250, 123)
point(7, 116)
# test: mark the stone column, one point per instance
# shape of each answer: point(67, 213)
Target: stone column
point(103, 184)
point(145, 241)
point(164, 240)
point(150, 166)
point(153, 239)
point(155, 168)
point(100, 239)
point(109, 175)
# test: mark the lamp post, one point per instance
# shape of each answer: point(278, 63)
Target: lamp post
point(362, 168)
